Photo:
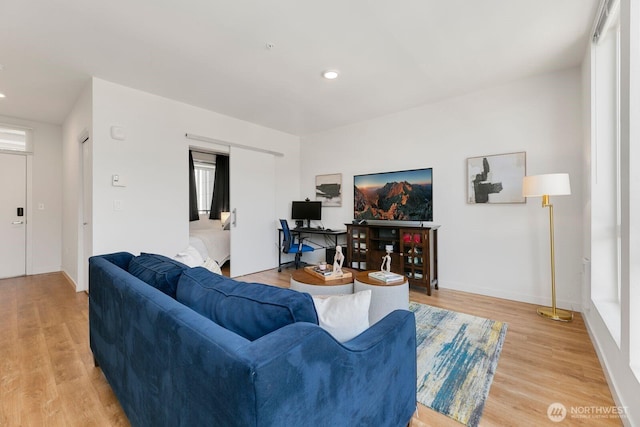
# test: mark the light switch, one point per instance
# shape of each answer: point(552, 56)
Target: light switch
point(117, 205)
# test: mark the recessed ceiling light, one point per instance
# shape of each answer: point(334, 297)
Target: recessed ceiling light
point(2, 95)
point(330, 74)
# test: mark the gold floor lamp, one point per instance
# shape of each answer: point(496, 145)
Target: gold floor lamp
point(553, 184)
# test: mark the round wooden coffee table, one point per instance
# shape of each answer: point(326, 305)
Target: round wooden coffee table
point(385, 297)
point(304, 282)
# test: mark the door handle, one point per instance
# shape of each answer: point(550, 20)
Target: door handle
point(17, 222)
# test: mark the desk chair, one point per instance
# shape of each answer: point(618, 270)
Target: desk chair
point(291, 245)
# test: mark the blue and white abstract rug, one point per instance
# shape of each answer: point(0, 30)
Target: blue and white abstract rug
point(457, 358)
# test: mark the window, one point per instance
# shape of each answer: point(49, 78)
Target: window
point(14, 139)
point(205, 176)
point(204, 165)
point(606, 195)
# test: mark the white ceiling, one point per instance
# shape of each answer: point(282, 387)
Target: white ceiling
point(392, 55)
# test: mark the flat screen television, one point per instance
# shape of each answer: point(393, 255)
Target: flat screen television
point(306, 210)
point(400, 196)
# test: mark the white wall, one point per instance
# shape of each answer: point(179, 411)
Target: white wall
point(497, 250)
point(44, 187)
point(153, 162)
point(77, 122)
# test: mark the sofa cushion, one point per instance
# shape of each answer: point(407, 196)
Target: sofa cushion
point(158, 271)
point(251, 310)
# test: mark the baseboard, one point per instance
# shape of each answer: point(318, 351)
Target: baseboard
point(45, 270)
point(70, 280)
point(512, 296)
point(628, 420)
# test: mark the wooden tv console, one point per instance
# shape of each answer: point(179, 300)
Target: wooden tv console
point(415, 251)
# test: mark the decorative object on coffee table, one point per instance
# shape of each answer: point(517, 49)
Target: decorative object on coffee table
point(338, 259)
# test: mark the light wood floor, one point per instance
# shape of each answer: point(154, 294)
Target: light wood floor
point(47, 375)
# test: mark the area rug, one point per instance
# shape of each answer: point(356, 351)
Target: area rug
point(457, 358)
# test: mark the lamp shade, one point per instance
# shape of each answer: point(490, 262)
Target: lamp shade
point(552, 184)
point(224, 217)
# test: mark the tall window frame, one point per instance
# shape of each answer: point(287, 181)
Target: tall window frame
point(606, 196)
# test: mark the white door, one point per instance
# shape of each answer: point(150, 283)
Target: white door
point(13, 227)
point(252, 178)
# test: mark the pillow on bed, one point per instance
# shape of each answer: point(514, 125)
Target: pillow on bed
point(204, 223)
point(193, 258)
point(211, 265)
point(190, 256)
point(198, 244)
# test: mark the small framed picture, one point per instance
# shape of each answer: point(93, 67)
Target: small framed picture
point(329, 189)
point(496, 178)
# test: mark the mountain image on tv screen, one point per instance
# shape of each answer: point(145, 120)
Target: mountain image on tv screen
point(401, 196)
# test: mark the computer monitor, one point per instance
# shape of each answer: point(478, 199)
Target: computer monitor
point(306, 211)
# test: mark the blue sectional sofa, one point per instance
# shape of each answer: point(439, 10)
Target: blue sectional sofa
point(186, 347)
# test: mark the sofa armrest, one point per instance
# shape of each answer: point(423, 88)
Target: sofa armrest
point(368, 380)
point(120, 259)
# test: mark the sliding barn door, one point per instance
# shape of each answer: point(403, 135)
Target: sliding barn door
point(252, 197)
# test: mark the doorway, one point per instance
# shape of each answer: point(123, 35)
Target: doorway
point(85, 242)
point(249, 235)
point(13, 224)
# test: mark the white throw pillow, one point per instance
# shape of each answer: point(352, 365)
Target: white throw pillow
point(190, 257)
point(344, 316)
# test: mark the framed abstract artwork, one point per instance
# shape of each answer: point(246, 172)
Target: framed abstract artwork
point(496, 178)
point(329, 189)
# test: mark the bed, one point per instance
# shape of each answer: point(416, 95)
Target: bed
point(211, 239)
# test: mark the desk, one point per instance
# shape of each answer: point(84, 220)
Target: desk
point(310, 231)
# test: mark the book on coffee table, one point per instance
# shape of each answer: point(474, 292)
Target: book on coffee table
point(325, 272)
point(315, 271)
point(383, 276)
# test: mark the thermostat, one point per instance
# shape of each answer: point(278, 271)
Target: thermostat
point(117, 133)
